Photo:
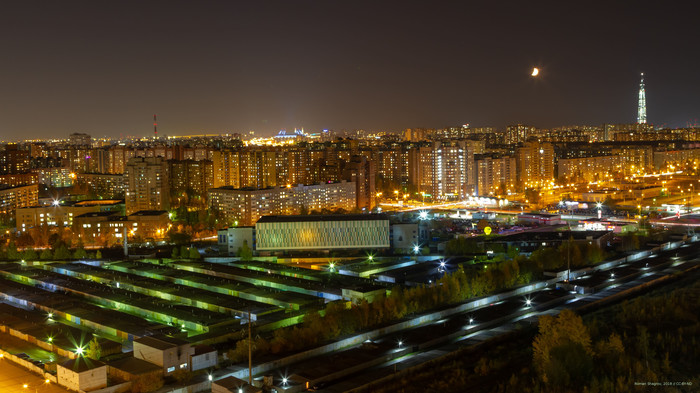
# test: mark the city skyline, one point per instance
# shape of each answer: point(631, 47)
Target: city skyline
point(225, 67)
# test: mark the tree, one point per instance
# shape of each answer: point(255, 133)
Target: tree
point(61, 253)
point(179, 237)
point(182, 376)
point(194, 253)
point(184, 252)
point(98, 254)
point(176, 253)
point(557, 336)
point(30, 255)
point(244, 251)
point(80, 253)
point(46, 254)
point(12, 253)
point(94, 350)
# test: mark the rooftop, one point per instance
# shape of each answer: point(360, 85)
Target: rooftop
point(82, 364)
point(160, 342)
point(134, 365)
point(149, 213)
point(329, 217)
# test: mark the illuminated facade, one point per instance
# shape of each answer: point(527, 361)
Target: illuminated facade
point(146, 184)
point(12, 198)
point(19, 179)
point(189, 180)
point(103, 184)
point(322, 232)
point(63, 214)
point(535, 164)
point(495, 175)
point(517, 133)
point(246, 206)
point(587, 169)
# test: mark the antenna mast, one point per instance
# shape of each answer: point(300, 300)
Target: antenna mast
point(155, 126)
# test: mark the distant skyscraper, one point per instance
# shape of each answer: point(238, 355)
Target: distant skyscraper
point(642, 109)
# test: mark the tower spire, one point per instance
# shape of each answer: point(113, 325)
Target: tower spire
point(155, 126)
point(642, 106)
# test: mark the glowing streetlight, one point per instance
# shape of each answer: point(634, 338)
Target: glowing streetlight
point(528, 302)
point(79, 351)
point(400, 343)
point(284, 380)
point(416, 248)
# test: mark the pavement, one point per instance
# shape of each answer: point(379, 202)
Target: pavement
point(13, 378)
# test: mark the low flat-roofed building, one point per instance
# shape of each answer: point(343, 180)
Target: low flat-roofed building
point(82, 374)
point(150, 223)
point(94, 227)
point(62, 213)
point(341, 231)
point(130, 368)
point(404, 237)
point(540, 218)
point(204, 357)
point(233, 385)
point(167, 352)
point(231, 240)
point(530, 241)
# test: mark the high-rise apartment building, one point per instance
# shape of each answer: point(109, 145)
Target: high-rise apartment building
point(360, 171)
point(188, 181)
point(535, 164)
point(517, 133)
point(226, 168)
point(13, 160)
point(146, 184)
point(80, 139)
point(495, 174)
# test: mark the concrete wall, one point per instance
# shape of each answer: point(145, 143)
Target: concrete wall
point(404, 236)
point(234, 238)
point(204, 360)
point(151, 355)
point(95, 378)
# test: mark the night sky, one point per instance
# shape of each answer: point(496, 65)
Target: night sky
point(105, 67)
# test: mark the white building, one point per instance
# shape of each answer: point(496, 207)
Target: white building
point(169, 353)
point(82, 374)
point(342, 231)
point(232, 239)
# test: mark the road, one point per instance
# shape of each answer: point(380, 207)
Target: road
point(13, 378)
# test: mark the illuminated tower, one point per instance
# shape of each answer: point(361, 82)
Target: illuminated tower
point(642, 109)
